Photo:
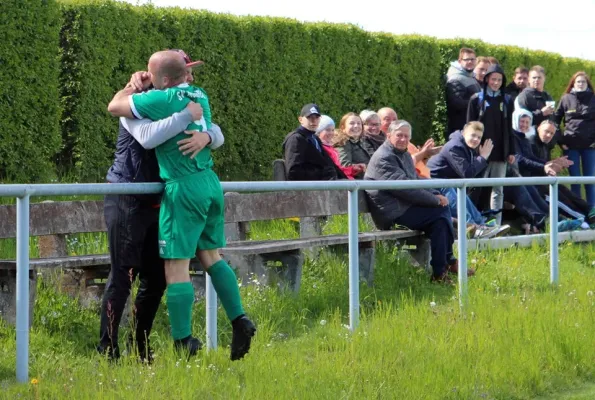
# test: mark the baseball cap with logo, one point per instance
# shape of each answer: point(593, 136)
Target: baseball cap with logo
point(310, 109)
point(189, 62)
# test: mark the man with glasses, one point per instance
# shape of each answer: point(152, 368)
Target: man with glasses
point(460, 86)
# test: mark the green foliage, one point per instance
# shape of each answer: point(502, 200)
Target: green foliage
point(259, 71)
point(29, 97)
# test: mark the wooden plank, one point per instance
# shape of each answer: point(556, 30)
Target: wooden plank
point(60, 217)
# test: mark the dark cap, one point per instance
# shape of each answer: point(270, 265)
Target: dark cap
point(189, 62)
point(310, 109)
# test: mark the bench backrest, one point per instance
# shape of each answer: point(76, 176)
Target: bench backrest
point(67, 217)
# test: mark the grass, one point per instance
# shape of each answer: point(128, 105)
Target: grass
point(519, 339)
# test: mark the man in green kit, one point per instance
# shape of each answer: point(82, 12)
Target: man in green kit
point(191, 214)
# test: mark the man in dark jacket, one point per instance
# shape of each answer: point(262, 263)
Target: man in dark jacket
point(493, 108)
point(424, 209)
point(518, 84)
point(305, 158)
point(534, 98)
point(460, 86)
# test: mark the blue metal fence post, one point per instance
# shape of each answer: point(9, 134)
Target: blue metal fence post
point(352, 213)
point(462, 244)
point(554, 233)
point(211, 313)
point(22, 325)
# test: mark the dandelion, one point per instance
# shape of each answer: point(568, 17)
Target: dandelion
point(432, 304)
point(34, 381)
point(323, 322)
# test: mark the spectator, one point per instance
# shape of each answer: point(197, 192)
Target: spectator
point(326, 133)
point(493, 108)
point(305, 159)
point(521, 76)
point(530, 165)
point(387, 116)
point(422, 209)
point(493, 60)
point(373, 137)
point(481, 69)
point(349, 144)
point(460, 86)
point(459, 159)
point(577, 110)
point(534, 98)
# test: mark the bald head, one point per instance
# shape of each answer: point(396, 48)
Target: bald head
point(167, 69)
point(387, 116)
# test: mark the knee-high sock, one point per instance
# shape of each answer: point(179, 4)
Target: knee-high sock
point(180, 297)
point(226, 286)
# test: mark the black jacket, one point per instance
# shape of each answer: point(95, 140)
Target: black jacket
point(132, 163)
point(578, 112)
point(529, 164)
point(460, 86)
point(304, 162)
point(495, 112)
point(512, 90)
point(533, 100)
point(456, 160)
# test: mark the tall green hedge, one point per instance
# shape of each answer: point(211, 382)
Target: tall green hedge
point(258, 73)
point(29, 97)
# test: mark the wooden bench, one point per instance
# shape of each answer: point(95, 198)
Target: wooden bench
point(279, 262)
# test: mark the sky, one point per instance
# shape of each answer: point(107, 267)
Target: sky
point(564, 27)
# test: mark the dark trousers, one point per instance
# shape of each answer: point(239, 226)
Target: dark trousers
point(132, 229)
point(529, 203)
point(568, 197)
point(436, 222)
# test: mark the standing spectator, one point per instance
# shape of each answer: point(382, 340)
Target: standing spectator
point(493, 60)
point(493, 108)
point(481, 69)
point(349, 144)
point(305, 159)
point(519, 83)
point(534, 98)
point(423, 209)
point(326, 133)
point(577, 110)
point(460, 86)
point(373, 137)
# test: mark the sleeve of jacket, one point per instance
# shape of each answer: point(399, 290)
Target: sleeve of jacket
point(509, 112)
point(473, 109)
point(421, 197)
point(527, 161)
point(455, 92)
point(560, 111)
point(523, 102)
point(295, 162)
point(345, 155)
point(459, 162)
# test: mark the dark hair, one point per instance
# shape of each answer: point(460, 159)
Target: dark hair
point(571, 83)
point(521, 70)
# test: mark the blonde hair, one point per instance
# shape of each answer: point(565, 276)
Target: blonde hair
point(341, 136)
point(474, 126)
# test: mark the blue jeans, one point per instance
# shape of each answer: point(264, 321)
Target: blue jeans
point(585, 159)
point(473, 215)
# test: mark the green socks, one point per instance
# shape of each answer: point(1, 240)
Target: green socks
point(226, 286)
point(180, 297)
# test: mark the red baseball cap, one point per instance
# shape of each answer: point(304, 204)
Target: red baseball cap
point(189, 62)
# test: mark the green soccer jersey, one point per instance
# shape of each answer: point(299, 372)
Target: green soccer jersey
point(160, 104)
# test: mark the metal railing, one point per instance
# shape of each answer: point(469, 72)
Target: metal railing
point(24, 192)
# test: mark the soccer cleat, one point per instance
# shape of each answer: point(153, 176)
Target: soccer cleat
point(487, 232)
point(243, 330)
point(189, 344)
point(569, 225)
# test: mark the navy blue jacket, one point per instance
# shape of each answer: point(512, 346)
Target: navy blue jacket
point(456, 160)
point(529, 164)
point(132, 163)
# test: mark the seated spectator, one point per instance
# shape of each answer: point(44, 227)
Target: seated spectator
point(326, 133)
point(529, 164)
point(459, 159)
point(349, 144)
point(460, 86)
point(305, 159)
point(373, 137)
point(423, 209)
point(577, 110)
point(518, 84)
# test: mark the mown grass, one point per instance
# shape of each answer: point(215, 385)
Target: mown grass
point(520, 338)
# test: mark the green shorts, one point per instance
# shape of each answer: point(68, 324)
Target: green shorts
point(191, 216)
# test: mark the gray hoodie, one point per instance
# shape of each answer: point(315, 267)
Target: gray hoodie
point(386, 206)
